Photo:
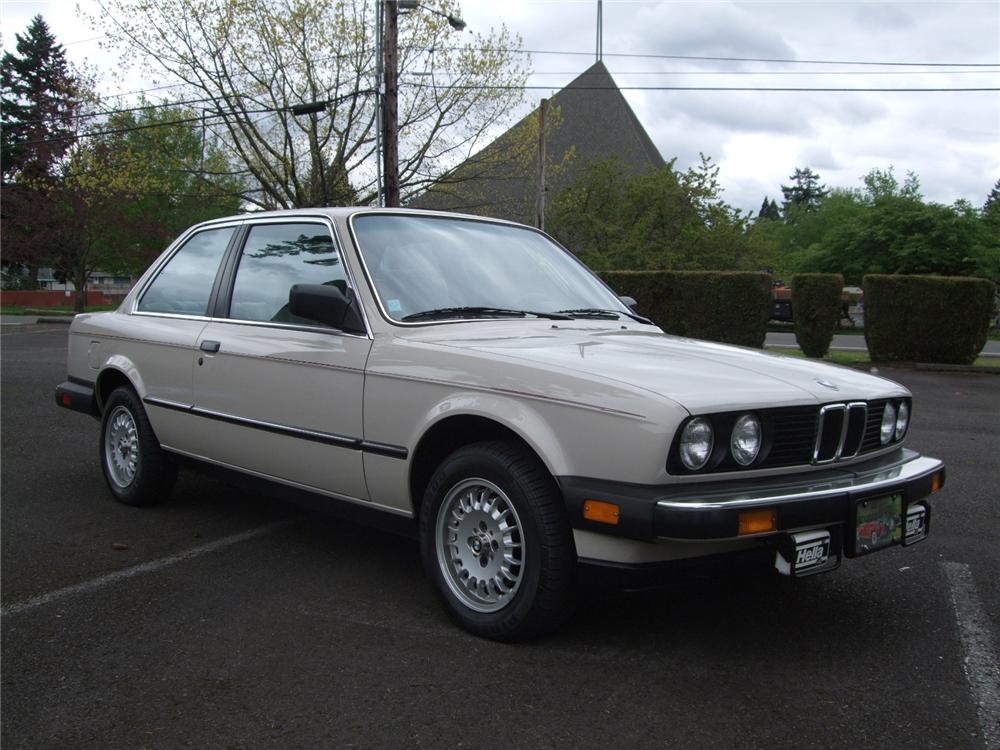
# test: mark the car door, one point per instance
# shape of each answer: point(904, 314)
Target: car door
point(165, 321)
point(278, 395)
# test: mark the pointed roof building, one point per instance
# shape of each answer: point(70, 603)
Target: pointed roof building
point(587, 121)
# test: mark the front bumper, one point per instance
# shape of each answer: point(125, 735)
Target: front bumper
point(711, 511)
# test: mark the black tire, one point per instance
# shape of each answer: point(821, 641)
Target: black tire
point(153, 476)
point(544, 596)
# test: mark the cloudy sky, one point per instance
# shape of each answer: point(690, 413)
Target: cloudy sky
point(950, 139)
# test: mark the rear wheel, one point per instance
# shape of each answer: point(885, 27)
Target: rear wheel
point(496, 542)
point(136, 469)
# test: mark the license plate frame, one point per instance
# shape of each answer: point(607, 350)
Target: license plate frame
point(877, 523)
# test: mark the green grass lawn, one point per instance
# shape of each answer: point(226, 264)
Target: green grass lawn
point(862, 358)
point(993, 335)
point(17, 310)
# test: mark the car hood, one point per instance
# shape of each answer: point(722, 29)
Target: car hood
point(701, 376)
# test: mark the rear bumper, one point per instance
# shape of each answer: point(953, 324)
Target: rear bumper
point(711, 511)
point(77, 395)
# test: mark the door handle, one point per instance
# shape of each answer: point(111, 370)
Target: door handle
point(210, 346)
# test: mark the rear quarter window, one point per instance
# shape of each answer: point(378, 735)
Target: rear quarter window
point(184, 285)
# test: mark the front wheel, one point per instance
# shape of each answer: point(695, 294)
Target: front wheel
point(135, 467)
point(496, 542)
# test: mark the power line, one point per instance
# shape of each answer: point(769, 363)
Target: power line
point(786, 61)
point(203, 118)
point(651, 56)
point(662, 56)
point(776, 72)
point(109, 112)
point(801, 89)
point(121, 131)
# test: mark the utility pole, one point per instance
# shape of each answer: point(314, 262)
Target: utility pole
point(540, 210)
point(379, 81)
point(600, 30)
point(390, 145)
point(388, 36)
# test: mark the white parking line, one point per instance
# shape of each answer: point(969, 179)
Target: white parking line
point(981, 667)
point(147, 567)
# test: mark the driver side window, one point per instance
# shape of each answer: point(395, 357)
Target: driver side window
point(276, 256)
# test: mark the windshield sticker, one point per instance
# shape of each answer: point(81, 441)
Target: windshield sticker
point(394, 305)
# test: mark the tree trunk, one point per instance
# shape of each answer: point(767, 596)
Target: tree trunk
point(80, 282)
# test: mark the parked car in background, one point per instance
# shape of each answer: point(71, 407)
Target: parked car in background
point(473, 378)
point(851, 305)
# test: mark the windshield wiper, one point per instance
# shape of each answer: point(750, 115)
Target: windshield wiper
point(594, 312)
point(460, 312)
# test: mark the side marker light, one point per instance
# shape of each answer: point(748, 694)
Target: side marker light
point(937, 482)
point(758, 521)
point(601, 512)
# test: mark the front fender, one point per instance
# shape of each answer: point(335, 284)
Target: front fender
point(516, 415)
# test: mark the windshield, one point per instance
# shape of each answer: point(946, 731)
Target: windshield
point(436, 268)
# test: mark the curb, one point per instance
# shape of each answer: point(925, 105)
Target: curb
point(872, 368)
point(956, 368)
point(65, 320)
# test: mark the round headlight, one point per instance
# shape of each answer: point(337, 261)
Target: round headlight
point(902, 420)
point(745, 441)
point(696, 443)
point(888, 423)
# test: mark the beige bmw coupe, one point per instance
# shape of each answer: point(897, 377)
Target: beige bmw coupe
point(469, 379)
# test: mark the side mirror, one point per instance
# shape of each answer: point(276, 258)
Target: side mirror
point(630, 303)
point(325, 304)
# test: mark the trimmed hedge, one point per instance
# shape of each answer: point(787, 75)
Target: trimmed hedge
point(727, 306)
point(926, 318)
point(816, 305)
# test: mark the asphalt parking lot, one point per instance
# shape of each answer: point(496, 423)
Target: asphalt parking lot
point(227, 620)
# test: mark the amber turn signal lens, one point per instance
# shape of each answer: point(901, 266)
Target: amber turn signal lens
point(758, 521)
point(602, 512)
point(936, 482)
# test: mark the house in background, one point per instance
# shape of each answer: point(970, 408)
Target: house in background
point(99, 281)
point(587, 121)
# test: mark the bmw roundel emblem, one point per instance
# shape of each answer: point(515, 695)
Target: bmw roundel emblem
point(827, 384)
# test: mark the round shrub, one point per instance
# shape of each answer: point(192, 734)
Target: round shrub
point(816, 310)
point(926, 318)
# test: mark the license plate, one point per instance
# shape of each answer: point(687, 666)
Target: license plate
point(878, 523)
point(916, 524)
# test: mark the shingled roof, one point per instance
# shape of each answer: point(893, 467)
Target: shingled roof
point(591, 121)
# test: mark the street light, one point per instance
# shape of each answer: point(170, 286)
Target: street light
point(454, 21)
point(388, 34)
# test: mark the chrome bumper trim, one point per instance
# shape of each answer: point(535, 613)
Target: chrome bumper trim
point(905, 471)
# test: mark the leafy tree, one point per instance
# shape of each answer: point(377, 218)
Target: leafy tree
point(655, 220)
point(252, 60)
point(169, 168)
point(896, 234)
point(881, 184)
point(806, 193)
point(135, 183)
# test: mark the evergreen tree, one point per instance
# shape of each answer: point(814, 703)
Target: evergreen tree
point(992, 205)
point(38, 102)
point(806, 192)
point(769, 210)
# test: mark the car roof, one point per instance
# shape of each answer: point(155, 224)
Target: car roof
point(344, 212)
